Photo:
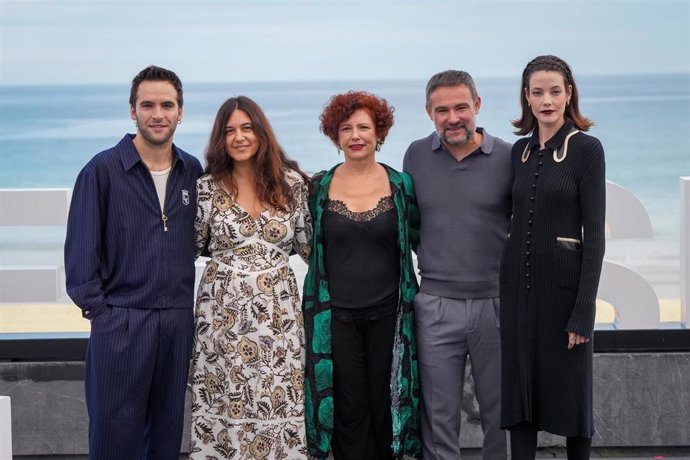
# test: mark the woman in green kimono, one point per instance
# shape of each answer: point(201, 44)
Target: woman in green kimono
point(361, 384)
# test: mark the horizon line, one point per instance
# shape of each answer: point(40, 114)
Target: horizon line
point(327, 80)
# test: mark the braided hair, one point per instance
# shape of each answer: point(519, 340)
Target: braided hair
point(527, 121)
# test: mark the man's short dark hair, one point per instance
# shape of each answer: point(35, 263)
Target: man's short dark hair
point(451, 78)
point(155, 73)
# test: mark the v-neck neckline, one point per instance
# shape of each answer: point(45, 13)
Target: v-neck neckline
point(239, 206)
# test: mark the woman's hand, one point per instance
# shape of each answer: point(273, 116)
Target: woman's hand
point(575, 339)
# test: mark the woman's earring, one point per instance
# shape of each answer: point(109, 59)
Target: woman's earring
point(179, 122)
point(378, 146)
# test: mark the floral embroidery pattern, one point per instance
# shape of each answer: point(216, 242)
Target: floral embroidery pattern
point(248, 361)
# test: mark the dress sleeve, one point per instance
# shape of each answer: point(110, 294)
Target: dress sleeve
point(592, 191)
point(301, 242)
point(84, 246)
point(202, 227)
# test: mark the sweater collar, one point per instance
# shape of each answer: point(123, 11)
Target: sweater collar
point(555, 141)
point(486, 147)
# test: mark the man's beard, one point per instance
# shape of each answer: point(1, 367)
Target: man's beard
point(157, 141)
point(469, 132)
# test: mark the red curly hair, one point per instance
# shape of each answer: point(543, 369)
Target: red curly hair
point(342, 106)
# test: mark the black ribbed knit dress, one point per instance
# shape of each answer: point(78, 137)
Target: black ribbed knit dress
point(549, 279)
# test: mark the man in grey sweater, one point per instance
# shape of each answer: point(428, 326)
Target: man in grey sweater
point(463, 178)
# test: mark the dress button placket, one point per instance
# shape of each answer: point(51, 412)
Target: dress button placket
point(528, 241)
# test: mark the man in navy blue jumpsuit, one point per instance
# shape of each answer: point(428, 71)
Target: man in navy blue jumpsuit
point(129, 265)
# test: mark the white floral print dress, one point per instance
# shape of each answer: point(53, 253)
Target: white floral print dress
point(248, 361)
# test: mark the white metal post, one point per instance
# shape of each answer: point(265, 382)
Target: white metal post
point(685, 252)
point(5, 428)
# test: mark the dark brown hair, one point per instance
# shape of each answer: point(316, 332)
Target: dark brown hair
point(451, 78)
point(271, 186)
point(342, 106)
point(527, 122)
point(155, 73)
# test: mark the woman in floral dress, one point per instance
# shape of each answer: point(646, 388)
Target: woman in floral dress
point(248, 366)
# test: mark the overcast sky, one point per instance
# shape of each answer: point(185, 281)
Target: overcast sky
point(110, 41)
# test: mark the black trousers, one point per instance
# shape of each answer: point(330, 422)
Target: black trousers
point(362, 351)
point(523, 444)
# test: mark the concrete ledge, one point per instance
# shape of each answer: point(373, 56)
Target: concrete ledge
point(49, 415)
point(48, 410)
point(641, 401)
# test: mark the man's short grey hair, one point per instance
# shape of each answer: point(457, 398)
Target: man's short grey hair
point(451, 78)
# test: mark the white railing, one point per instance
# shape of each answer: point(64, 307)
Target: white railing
point(32, 207)
point(634, 300)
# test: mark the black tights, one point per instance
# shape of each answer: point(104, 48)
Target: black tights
point(523, 444)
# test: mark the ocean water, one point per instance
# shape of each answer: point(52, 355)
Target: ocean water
point(47, 134)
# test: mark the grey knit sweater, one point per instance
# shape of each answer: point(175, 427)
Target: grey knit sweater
point(465, 211)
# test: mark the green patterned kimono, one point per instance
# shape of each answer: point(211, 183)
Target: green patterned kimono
point(317, 319)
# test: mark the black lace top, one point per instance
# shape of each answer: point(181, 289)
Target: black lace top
point(361, 254)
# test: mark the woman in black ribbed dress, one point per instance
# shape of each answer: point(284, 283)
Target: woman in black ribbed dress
point(551, 265)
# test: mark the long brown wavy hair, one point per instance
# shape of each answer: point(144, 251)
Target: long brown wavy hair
point(527, 121)
point(271, 185)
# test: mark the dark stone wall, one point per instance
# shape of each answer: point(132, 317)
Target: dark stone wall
point(640, 400)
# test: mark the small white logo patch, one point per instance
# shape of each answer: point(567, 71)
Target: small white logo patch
point(185, 197)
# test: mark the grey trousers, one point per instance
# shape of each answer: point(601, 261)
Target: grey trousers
point(447, 332)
